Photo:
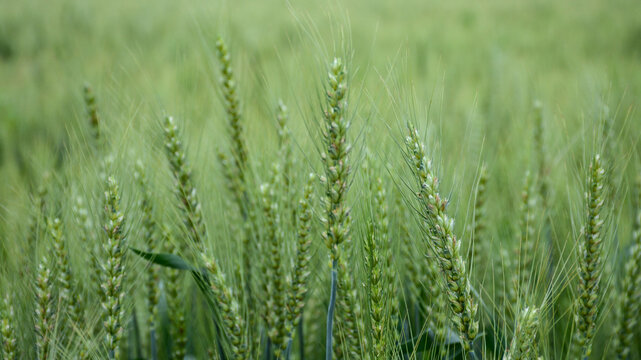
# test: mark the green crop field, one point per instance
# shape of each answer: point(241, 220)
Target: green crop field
point(276, 180)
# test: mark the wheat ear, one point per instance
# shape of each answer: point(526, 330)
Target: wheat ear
point(335, 159)
point(185, 188)
point(45, 312)
point(630, 297)
point(149, 238)
point(301, 271)
point(586, 309)
point(92, 113)
point(175, 304)
point(228, 307)
point(69, 296)
point(480, 245)
point(444, 243)
point(232, 108)
point(523, 346)
point(522, 272)
point(114, 247)
point(9, 349)
point(276, 301)
point(376, 293)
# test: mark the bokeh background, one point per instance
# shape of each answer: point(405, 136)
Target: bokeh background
point(487, 60)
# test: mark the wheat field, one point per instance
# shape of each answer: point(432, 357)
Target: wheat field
point(320, 180)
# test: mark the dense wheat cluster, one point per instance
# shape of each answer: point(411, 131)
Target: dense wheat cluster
point(449, 181)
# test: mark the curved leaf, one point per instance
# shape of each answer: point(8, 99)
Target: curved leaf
point(164, 259)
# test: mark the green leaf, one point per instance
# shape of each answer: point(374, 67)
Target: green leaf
point(164, 259)
point(200, 276)
point(176, 262)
